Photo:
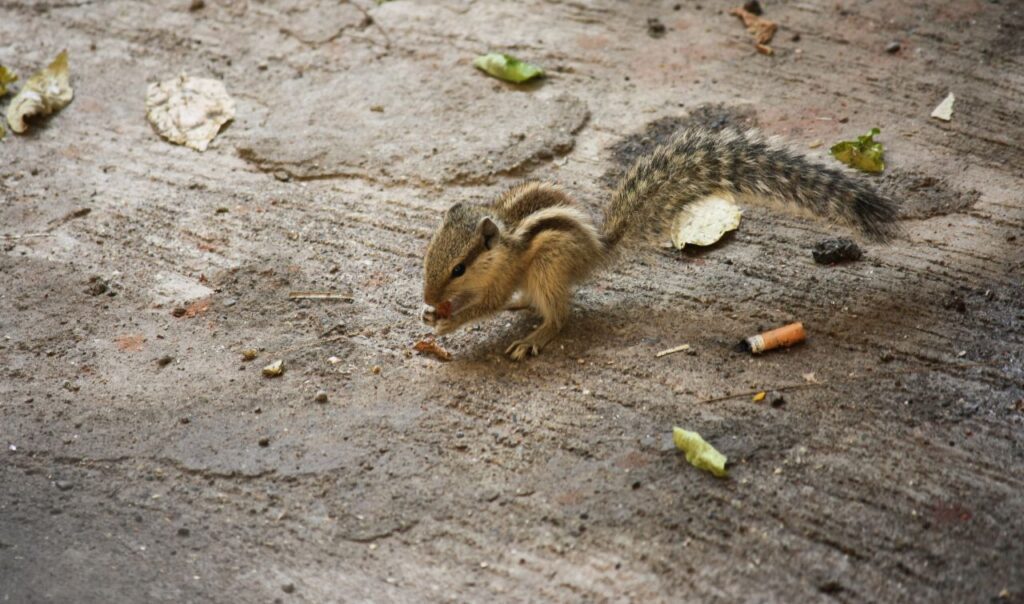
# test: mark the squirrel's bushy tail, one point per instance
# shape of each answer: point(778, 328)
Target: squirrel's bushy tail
point(698, 162)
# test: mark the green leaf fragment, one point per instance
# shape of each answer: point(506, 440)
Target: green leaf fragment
point(863, 154)
point(6, 77)
point(508, 68)
point(698, 452)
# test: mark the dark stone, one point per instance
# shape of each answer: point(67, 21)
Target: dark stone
point(831, 251)
point(893, 47)
point(264, 442)
point(655, 28)
point(753, 6)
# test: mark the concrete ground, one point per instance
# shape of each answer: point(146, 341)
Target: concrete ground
point(144, 461)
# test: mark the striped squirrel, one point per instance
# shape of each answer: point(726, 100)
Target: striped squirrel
point(533, 244)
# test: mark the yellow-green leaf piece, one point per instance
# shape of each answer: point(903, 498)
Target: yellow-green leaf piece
point(6, 77)
point(698, 452)
point(47, 91)
point(864, 154)
point(508, 68)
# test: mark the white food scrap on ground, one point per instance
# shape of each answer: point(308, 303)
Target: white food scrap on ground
point(189, 111)
point(47, 91)
point(944, 111)
point(703, 222)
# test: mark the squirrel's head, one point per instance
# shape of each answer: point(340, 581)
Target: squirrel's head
point(458, 268)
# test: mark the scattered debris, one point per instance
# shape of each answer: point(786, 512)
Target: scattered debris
point(130, 343)
point(250, 354)
point(377, 108)
point(864, 154)
point(264, 442)
point(753, 7)
point(506, 67)
point(6, 77)
point(776, 399)
point(893, 47)
point(63, 485)
point(705, 221)
point(782, 337)
point(320, 397)
point(333, 360)
point(680, 348)
point(759, 397)
point(274, 369)
point(375, 370)
point(165, 360)
point(944, 111)
point(832, 251)
point(810, 378)
point(815, 144)
point(655, 28)
point(97, 286)
point(189, 111)
point(430, 346)
point(762, 29)
point(197, 308)
point(698, 452)
point(47, 91)
point(319, 296)
point(196, 5)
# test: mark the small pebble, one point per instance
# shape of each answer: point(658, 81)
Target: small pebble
point(377, 108)
point(230, 302)
point(178, 312)
point(831, 251)
point(321, 396)
point(196, 5)
point(893, 47)
point(184, 532)
point(753, 6)
point(185, 420)
point(63, 485)
point(249, 354)
point(375, 370)
point(288, 588)
point(655, 28)
point(164, 360)
point(264, 442)
point(274, 369)
point(775, 399)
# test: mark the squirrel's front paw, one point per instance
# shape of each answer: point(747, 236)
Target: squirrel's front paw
point(521, 348)
point(444, 326)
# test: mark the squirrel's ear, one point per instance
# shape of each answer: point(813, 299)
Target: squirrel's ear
point(489, 231)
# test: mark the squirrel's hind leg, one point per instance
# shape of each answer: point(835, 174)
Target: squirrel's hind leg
point(550, 297)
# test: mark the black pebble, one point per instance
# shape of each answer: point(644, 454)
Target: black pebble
point(831, 251)
point(655, 28)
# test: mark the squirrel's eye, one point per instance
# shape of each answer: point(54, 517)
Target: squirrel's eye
point(459, 270)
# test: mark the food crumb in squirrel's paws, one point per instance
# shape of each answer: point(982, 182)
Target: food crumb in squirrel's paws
point(430, 346)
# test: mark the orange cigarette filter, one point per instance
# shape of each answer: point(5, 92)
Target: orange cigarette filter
point(777, 338)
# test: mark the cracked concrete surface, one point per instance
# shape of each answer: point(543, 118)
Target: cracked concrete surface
point(144, 460)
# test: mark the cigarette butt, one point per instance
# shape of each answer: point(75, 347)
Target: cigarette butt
point(777, 338)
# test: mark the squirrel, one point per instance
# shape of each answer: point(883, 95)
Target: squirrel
point(530, 247)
